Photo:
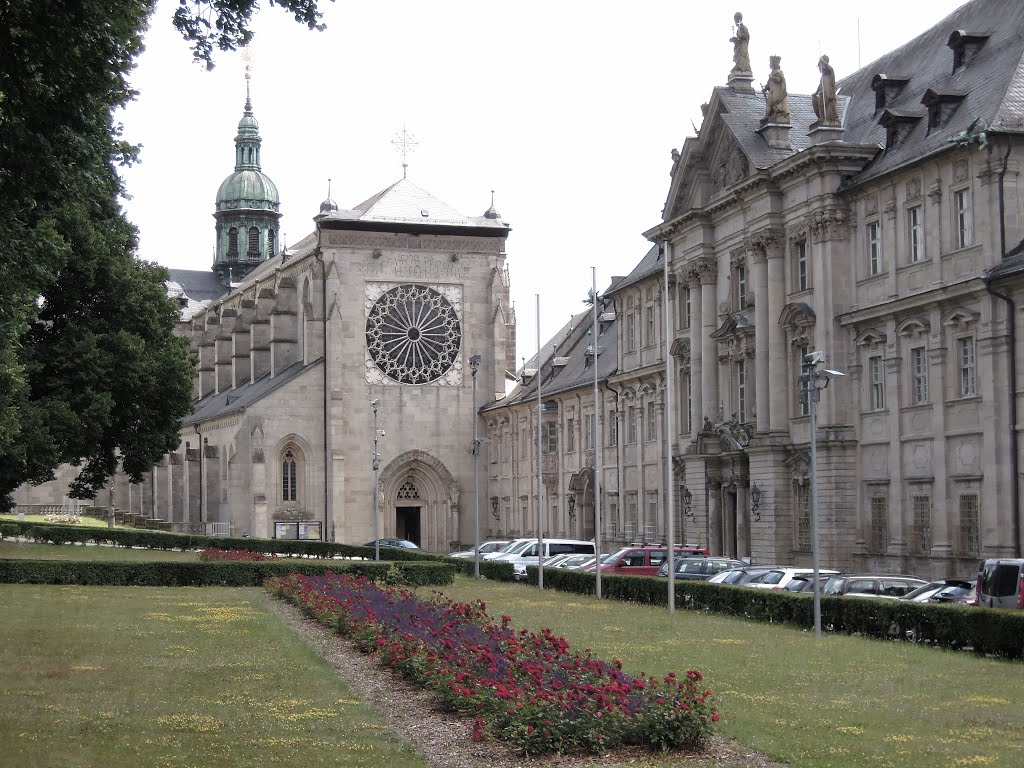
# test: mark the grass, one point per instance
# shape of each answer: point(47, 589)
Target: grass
point(88, 522)
point(21, 550)
point(834, 701)
point(172, 678)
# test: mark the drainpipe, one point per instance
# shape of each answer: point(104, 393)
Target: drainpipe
point(1011, 312)
point(327, 467)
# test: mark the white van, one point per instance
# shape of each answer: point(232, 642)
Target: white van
point(526, 553)
point(515, 544)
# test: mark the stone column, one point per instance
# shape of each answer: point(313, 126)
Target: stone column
point(714, 486)
point(759, 277)
point(708, 269)
point(941, 546)
point(777, 372)
point(742, 519)
point(186, 484)
point(696, 357)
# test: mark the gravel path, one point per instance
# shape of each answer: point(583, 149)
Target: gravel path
point(445, 739)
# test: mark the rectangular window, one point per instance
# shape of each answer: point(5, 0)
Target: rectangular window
point(919, 366)
point(650, 326)
point(689, 403)
point(874, 248)
point(549, 437)
point(741, 390)
point(630, 529)
point(613, 429)
point(570, 435)
point(966, 362)
point(688, 311)
point(878, 541)
point(802, 281)
point(877, 373)
point(524, 444)
point(921, 533)
point(631, 424)
point(652, 424)
point(802, 499)
point(962, 204)
point(588, 431)
point(805, 406)
point(630, 332)
point(970, 536)
point(741, 287)
point(915, 245)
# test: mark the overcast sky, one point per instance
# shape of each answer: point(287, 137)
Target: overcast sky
point(567, 109)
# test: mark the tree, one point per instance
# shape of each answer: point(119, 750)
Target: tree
point(90, 371)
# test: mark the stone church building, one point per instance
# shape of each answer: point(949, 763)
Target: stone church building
point(878, 221)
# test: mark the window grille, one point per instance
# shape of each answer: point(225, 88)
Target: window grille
point(878, 541)
point(289, 477)
point(802, 494)
point(408, 491)
point(921, 533)
point(970, 535)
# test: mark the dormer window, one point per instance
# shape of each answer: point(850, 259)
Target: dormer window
point(965, 46)
point(887, 88)
point(941, 104)
point(898, 124)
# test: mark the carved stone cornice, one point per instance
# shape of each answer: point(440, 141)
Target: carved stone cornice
point(765, 244)
point(706, 268)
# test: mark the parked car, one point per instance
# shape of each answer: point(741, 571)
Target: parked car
point(952, 590)
point(399, 543)
point(879, 585)
point(778, 578)
point(700, 567)
point(576, 562)
point(804, 584)
point(632, 561)
point(1001, 583)
point(528, 553)
point(739, 576)
point(486, 547)
point(514, 544)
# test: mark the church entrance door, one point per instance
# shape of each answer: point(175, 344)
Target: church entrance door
point(407, 524)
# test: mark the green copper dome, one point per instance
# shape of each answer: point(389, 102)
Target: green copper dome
point(248, 187)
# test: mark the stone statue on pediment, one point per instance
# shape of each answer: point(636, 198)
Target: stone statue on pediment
point(740, 47)
point(824, 98)
point(775, 95)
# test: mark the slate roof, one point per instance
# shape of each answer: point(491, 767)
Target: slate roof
point(405, 203)
point(195, 289)
point(993, 80)
point(650, 264)
point(224, 403)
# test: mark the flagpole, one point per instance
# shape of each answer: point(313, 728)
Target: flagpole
point(597, 443)
point(540, 499)
point(669, 427)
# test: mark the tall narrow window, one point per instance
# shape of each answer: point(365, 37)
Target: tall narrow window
point(652, 424)
point(966, 360)
point(805, 406)
point(588, 431)
point(233, 243)
point(650, 326)
point(741, 287)
point(921, 533)
point(631, 332)
point(688, 315)
point(549, 437)
point(878, 542)
point(802, 281)
point(613, 429)
point(802, 499)
point(289, 477)
point(919, 365)
point(877, 373)
point(741, 390)
point(689, 403)
point(970, 534)
point(962, 203)
point(254, 243)
point(631, 424)
point(270, 243)
point(570, 436)
point(914, 233)
point(874, 248)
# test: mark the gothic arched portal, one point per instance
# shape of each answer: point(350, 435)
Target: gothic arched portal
point(419, 501)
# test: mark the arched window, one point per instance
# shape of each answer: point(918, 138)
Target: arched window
point(289, 477)
point(254, 243)
point(270, 242)
point(233, 243)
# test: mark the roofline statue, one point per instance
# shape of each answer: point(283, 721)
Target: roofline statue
point(824, 99)
point(775, 95)
point(740, 48)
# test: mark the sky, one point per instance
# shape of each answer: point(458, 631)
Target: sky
point(567, 110)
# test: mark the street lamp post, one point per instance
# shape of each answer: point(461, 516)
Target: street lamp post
point(377, 434)
point(474, 365)
point(812, 381)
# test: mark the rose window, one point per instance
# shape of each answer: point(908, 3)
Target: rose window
point(413, 334)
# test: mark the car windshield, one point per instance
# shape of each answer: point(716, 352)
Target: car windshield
point(521, 547)
point(833, 586)
point(614, 556)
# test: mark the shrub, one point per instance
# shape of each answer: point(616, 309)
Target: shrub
point(8, 531)
point(214, 554)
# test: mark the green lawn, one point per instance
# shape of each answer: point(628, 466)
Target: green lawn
point(90, 522)
point(836, 701)
point(20, 550)
point(172, 678)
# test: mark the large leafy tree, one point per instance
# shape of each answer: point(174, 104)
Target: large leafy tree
point(89, 367)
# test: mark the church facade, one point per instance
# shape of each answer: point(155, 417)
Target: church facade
point(878, 222)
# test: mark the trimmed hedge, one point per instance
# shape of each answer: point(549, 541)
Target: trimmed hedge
point(210, 574)
point(997, 632)
point(495, 571)
point(9, 530)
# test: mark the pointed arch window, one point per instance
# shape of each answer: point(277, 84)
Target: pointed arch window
point(233, 243)
point(289, 477)
point(254, 243)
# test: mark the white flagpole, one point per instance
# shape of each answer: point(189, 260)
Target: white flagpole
point(669, 427)
point(540, 498)
point(597, 444)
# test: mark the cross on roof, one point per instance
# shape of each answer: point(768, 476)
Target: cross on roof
point(405, 143)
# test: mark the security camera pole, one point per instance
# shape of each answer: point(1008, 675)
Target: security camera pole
point(812, 381)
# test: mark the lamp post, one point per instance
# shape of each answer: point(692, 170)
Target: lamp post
point(812, 381)
point(474, 365)
point(755, 502)
point(375, 403)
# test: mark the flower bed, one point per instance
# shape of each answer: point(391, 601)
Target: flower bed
point(234, 554)
point(521, 687)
